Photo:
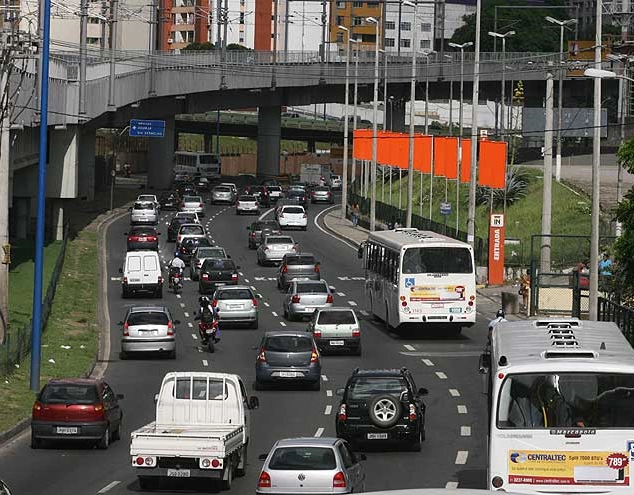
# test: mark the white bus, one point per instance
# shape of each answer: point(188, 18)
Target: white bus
point(197, 164)
point(561, 402)
point(419, 277)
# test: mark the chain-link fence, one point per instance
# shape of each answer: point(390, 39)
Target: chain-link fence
point(619, 314)
point(17, 343)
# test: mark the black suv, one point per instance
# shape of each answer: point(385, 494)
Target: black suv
point(382, 405)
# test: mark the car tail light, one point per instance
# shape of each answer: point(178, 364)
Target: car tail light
point(281, 215)
point(412, 412)
point(253, 235)
point(151, 238)
point(295, 299)
point(170, 328)
point(126, 331)
point(265, 480)
point(339, 480)
point(317, 333)
point(329, 299)
point(125, 280)
point(312, 193)
point(284, 269)
point(133, 238)
point(99, 412)
point(234, 276)
point(314, 357)
point(342, 412)
point(201, 205)
point(304, 215)
point(179, 238)
point(356, 332)
point(254, 301)
point(262, 356)
point(37, 410)
point(199, 264)
point(160, 280)
point(182, 205)
point(214, 303)
point(204, 276)
point(316, 269)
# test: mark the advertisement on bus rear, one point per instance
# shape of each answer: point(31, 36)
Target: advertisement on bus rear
point(436, 293)
point(537, 467)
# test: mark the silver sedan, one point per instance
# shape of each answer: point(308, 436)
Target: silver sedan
point(305, 296)
point(274, 247)
point(148, 329)
point(237, 304)
point(193, 204)
point(223, 194)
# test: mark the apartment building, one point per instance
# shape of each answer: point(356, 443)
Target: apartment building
point(182, 22)
point(354, 15)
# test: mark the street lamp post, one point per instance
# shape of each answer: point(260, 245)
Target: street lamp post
point(426, 55)
point(503, 36)
point(412, 121)
point(562, 25)
point(353, 178)
point(461, 48)
point(375, 111)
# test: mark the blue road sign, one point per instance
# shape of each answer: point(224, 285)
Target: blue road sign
point(147, 128)
point(445, 208)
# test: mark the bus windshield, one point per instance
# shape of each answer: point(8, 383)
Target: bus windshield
point(602, 400)
point(208, 159)
point(437, 260)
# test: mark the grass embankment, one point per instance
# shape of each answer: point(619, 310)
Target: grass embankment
point(72, 323)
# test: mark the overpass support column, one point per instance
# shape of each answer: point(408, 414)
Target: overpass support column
point(312, 146)
point(160, 166)
point(86, 172)
point(269, 132)
point(55, 219)
point(21, 217)
point(208, 145)
point(395, 115)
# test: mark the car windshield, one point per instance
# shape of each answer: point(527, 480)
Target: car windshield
point(288, 343)
point(147, 318)
point(279, 240)
point(224, 295)
point(143, 205)
point(192, 230)
point(294, 210)
point(68, 393)
point(303, 458)
point(143, 231)
point(196, 241)
point(219, 265)
point(271, 224)
point(222, 189)
point(192, 199)
point(300, 260)
point(337, 317)
point(317, 288)
point(366, 387)
point(322, 188)
point(437, 260)
point(210, 252)
point(275, 188)
point(247, 198)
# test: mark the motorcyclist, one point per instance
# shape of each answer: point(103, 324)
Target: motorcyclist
point(499, 317)
point(208, 314)
point(176, 265)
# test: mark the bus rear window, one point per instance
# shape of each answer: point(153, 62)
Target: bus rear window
point(437, 260)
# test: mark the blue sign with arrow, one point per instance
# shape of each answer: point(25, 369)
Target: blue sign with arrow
point(147, 128)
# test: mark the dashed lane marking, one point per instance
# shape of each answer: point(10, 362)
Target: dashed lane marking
point(454, 392)
point(409, 347)
point(109, 487)
point(178, 296)
point(328, 410)
point(451, 485)
point(441, 375)
point(350, 278)
point(115, 279)
point(274, 313)
point(190, 324)
point(253, 287)
point(246, 281)
point(364, 312)
point(205, 362)
point(428, 362)
point(182, 305)
point(200, 350)
point(282, 323)
point(324, 378)
point(319, 432)
point(241, 274)
point(186, 314)
point(461, 456)
point(267, 304)
point(194, 336)
point(462, 409)
point(465, 431)
point(341, 294)
point(328, 393)
point(352, 303)
point(450, 354)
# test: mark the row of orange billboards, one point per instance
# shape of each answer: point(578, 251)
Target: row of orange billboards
point(435, 155)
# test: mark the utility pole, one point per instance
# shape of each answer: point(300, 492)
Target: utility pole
point(102, 39)
point(547, 190)
point(286, 18)
point(83, 40)
point(225, 23)
point(4, 193)
point(324, 18)
point(113, 55)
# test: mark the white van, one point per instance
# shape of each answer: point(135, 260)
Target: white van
point(141, 273)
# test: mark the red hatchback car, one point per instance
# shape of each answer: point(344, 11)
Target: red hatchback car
point(76, 409)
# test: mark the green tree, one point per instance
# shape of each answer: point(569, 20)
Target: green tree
point(237, 47)
point(200, 46)
point(624, 245)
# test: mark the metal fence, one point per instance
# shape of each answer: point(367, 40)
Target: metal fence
point(387, 214)
point(619, 314)
point(18, 341)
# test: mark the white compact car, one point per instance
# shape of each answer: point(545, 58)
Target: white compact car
point(292, 216)
point(247, 204)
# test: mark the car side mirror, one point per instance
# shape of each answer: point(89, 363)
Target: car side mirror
point(254, 403)
point(262, 457)
point(120, 270)
point(248, 228)
point(120, 396)
point(423, 391)
point(156, 398)
point(177, 322)
point(339, 392)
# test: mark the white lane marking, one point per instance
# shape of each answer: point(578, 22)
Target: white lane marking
point(282, 323)
point(462, 409)
point(428, 362)
point(409, 347)
point(326, 210)
point(451, 485)
point(274, 313)
point(246, 281)
point(186, 314)
point(109, 487)
point(115, 279)
point(454, 392)
point(341, 294)
point(461, 456)
point(190, 324)
point(352, 303)
point(182, 305)
point(441, 375)
point(328, 393)
point(266, 304)
point(241, 274)
point(253, 287)
point(205, 362)
point(364, 312)
point(178, 296)
point(465, 431)
point(200, 350)
point(328, 410)
point(324, 378)
point(319, 432)
point(194, 336)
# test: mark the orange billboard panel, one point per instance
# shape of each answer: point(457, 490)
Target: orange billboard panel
point(492, 164)
point(423, 153)
point(362, 144)
point(465, 161)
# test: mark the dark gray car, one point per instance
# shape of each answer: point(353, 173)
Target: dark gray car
point(301, 266)
point(262, 228)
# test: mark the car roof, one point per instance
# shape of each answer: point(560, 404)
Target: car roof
point(379, 372)
point(335, 308)
point(234, 287)
point(77, 381)
point(307, 441)
point(191, 224)
point(288, 333)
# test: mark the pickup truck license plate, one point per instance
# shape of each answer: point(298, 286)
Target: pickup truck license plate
point(377, 436)
point(288, 374)
point(178, 473)
point(67, 430)
point(336, 342)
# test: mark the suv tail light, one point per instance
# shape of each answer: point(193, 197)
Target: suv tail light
point(265, 480)
point(125, 280)
point(126, 331)
point(412, 412)
point(170, 329)
point(314, 357)
point(254, 301)
point(151, 238)
point(342, 413)
point(281, 215)
point(304, 215)
point(284, 269)
point(182, 205)
point(317, 334)
point(201, 205)
point(160, 280)
point(204, 276)
point(295, 299)
point(356, 332)
point(339, 480)
point(262, 356)
point(329, 299)
point(316, 268)
point(252, 235)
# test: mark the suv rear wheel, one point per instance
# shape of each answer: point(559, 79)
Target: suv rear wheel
point(385, 411)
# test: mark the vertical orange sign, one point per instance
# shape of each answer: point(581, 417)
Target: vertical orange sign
point(496, 249)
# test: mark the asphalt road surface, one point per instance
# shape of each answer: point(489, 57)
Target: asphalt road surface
point(454, 453)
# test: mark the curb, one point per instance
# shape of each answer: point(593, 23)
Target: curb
point(337, 233)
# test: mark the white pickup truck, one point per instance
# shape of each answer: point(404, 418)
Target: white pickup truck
point(201, 430)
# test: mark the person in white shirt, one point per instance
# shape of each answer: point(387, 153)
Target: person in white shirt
point(175, 265)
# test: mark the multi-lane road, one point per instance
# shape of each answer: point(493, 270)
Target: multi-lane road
point(454, 453)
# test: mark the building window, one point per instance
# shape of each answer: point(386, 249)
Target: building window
point(357, 21)
point(390, 25)
point(341, 20)
point(241, 17)
point(406, 42)
point(373, 4)
point(406, 26)
point(339, 37)
point(389, 42)
point(241, 39)
point(425, 27)
point(341, 5)
point(357, 4)
point(425, 44)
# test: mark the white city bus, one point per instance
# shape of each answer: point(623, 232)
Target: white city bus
point(419, 277)
point(197, 164)
point(561, 402)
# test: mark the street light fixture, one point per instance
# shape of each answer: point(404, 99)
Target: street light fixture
point(353, 177)
point(562, 25)
point(375, 111)
point(460, 47)
point(412, 115)
point(503, 37)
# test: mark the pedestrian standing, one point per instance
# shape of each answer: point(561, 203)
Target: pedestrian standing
point(525, 287)
point(354, 213)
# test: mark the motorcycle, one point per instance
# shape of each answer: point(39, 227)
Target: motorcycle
point(176, 280)
point(209, 332)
